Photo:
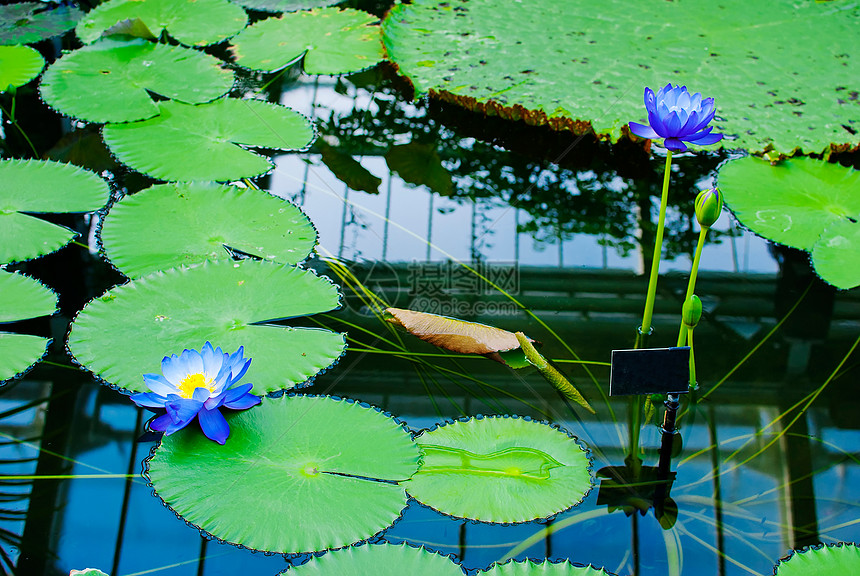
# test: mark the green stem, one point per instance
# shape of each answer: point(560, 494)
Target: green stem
point(658, 248)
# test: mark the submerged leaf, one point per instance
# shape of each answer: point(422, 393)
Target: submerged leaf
point(500, 469)
point(126, 332)
point(18, 65)
point(349, 171)
point(28, 22)
point(803, 203)
point(842, 558)
point(419, 164)
point(203, 142)
point(545, 568)
point(171, 225)
point(332, 41)
point(110, 81)
point(23, 298)
point(313, 472)
point(378, 560)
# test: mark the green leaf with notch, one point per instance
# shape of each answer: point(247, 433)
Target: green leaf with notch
point(18, 65)
point(841, 558)
point(378, 560)
point(28, 22)
point(23, 298)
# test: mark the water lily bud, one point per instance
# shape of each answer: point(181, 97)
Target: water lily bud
point(709, 204)
point(691, 313)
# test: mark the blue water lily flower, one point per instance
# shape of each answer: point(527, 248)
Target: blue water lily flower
point(198, 384)
point(678, 117)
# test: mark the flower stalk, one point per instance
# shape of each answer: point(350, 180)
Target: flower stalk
point(651, 295)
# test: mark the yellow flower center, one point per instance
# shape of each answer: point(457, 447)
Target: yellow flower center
point(192, 382)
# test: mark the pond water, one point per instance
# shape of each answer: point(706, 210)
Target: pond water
point(765, 461)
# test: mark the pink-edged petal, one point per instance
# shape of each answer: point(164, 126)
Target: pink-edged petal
point(148, 400)
point(214, 425)
point(158, 384)
point(674, 144)
point(643, 131)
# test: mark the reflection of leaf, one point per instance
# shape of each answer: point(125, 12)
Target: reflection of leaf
point(27, 22)
point(349, 171)
point(313, 472)
point(831, 560)
point(23, 298)
point(420, 164)
point(545, 568)
point(500, 470)
point(379, 560)
point(804, 203)
point(18, 65)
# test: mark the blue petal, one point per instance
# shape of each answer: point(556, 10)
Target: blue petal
point(214, 425)
point(692, 123)
point(243, 402)
point(200, 395)
point(643, 131)
point(213, 360)
point(192, 361)
point(656, 123)
point(675, 145)
point(706, 139)
point(148, 400)
point(649, 99)
point(173, 369)
point(158, 384)
point(673, 125)
point(183, 409)
point(165, 423)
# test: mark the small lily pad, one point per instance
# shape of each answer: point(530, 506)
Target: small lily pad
point(23, 298)
point(110, 81)
point(204, 142)
point(192, 22)
point(127, 331)
point(842, 558)
point(171, 225)
point(314, 473)
point(284, 5)
point(545, 568)
point(27, 22)
point(378, 560)
point(803, 203)
point(37, 186)
point(332, 41)
point(18, 65)
point(500, 469)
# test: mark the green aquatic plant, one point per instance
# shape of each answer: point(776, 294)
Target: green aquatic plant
point(28, 22)
point(18, 65)
point(380, 560)
point(821, 560)
point(23, 298)
point(544, 568)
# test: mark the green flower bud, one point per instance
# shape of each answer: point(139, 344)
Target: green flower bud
point(709, 204)
point(692, 311)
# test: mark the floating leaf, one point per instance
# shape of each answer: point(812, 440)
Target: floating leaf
point(134, 27)
point(349, 171)
point(378, 560)
point(332, 41)
point(202, 142)
point(545, 568)
point(577, 68)
point(500, 469)
point(192, 22)
point(126, 332)
point(171, 225)
point(284, 5)
point(18, 65)
point(23, 298)
point(27, 22)
point(110, 81)
point(312, 472)
point(842, 558)
point(37, 186)
point(419, 164)
point(803, 203)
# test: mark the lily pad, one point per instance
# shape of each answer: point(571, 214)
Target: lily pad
point(314, 473)
point(573, 67)
point(23, 298)
point(171, 225)
point(378, 560)
point(545, 568)
point(110, 81)
point(37, 186)
point(126, 332)
point(203, 142)
point(332, 41)
point(18, 65)
point(27, 22)
point(192, 22)
point(284, 5)
point(500, 469)
point(842, 558)
point(803, 203)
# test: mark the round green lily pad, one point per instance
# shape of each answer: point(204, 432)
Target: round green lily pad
point(36, 186)
point(284, 5)
point(297, 474)
point(566, 64)
point(127, 331)
point(110, 81)
point(27, 22)
point(192, 22)
point(332, 41)
point(171, 225)
point(803, 203)
point(18, 65)
point(500, 469)
point(545, 568)
point(842, 558)
point(203, 142)
point(23, 298)
point(377, 560)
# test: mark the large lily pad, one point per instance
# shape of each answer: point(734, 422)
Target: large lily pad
point(565, 63)
point(203, 142)
point(312, 472)
point(843, 558)
point(18, 65)
point(545, 568)
point(171, 225)
point(332, 41)
point(803, 203)
point(377, 560)
point(500, 469)
point(284, 5)
point(23, 298)
point(27, 22)
point(37, 186)
point(192, 22)
point(110, 81)
point(125, 333)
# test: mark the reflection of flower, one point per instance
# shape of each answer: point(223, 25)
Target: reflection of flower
point(678, 117)
point(197, 384)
